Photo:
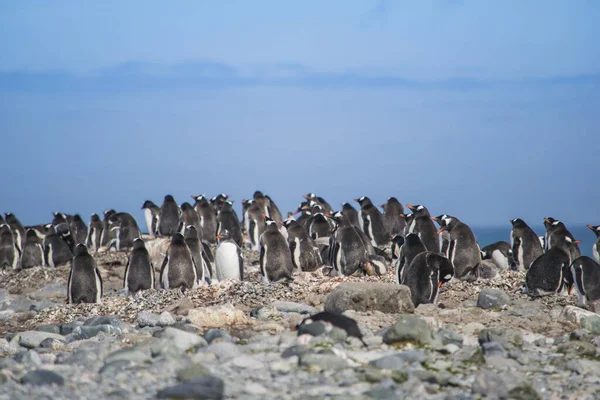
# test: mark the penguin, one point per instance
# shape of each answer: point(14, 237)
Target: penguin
point(218, 201)
point(33, 250)
point(425, 275)
point(228, 220)
point(584, 273)
point(124, 230)
point(151, 212)
point(196, 249)
point(229, 260)
point(555, 232)
point(372, 222)
point(79, 229)
point(391, 216)
point(596, 246)
point(245, 205)
point(85, 283)
point(444, 236)
point(548, 224)
point(274, 211)
point(189, 216)
point(463, 251)
point(410, 249)
point(318, 226)
point(420, 223)
point(350, 212)
point(546, 273)
point(397, 242)
point(107, 235)
point(275, 257)
point(500, 253)
point(525, 245)
point(419, 210)
point(305, 252)
point(139, 271)
point(59, 218)
point(408, 219)
point(347, 250)
point(208, 218)
point(64, 231)
point(169, 217)
point(17, 229)
point(374, 263)
point(9, 251)
point(340, 321)
point(95, 233)
point(321, 201)
point(254, 225)
point(178, 269)
point(56, 250)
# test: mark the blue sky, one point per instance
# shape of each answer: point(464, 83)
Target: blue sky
point(484, 110)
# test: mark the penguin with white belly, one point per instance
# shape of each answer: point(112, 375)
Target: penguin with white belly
point(229, 260)
point(525, 244)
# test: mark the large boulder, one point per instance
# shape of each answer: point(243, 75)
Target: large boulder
point(370, 296)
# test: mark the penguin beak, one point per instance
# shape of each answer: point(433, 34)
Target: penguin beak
point(296, 212)
point(569, 289)
point(192, 196)
point(440, 230)
point(306, 197)
point(281, 223)
point(264, 217)
point(440, 284)
point(304, 208)
point(327, 215)
point(590, 227)
point(546, 220)
point(577, 242)
point(219, 236)
point(434, 218)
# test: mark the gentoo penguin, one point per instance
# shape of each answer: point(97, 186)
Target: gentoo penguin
point(525, 245)
point(229, 260)
point(17, 229)
point(218, 201)
point(208, 218)
point(425, 275)
point(347, 250)
point(227, 219)
point(274, 211)
point(168, 217)
point(546, 273)
point(263, 203)
point(56, 250)
point(555, 232)
point(596, 246)
point(151, 212)
point(9, 251)
point(550, 226)
point(85, 282)
point(584, 273)
point(255, 224)
point(350, 212)
point(64, 231)
point(124, 230)
point(305, 252)
point(79, 229)
point(397, 242)
point(408, 219)
point(318, 225)
point(275, 257)
point(421, 224)
point(245, 205)
point(139, 272)
point(189, 216)
point(59, 218)
point(95, 233)
point(391, 216)
point(340, 321)
point(33, 250)
point(321, 201)
point(372, 222)
point(107, 235)
point(197, 250)
point(500, 253)
point(445, 234)
point(409, 250)
point(178, 269)
point(374, 263)
point(463, 251)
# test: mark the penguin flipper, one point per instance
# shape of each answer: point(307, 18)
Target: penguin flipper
point(241, 264)
point(162, 270)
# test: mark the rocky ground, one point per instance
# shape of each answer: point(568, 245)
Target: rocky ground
point(234, 340)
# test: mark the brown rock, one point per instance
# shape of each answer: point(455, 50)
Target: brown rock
point(370, 296)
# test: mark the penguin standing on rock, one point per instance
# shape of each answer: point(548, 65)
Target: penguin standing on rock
point(151, 212)
point(9, 251)
point(178, 268)
point(305, 252)
point(229, 260)
point(596, 246)
point(546, 273)
point(584, 273)
point(372, 222)
point(410, 249)
point(425, 275)
point(139, 272)
point(208, 218)
point(33, 250)
point(275, 257)
point(227, 219)
point(85, 282)
point(95, 233)
point(392, 212)
point(525, 244)
point(463, 251)
point(168, 217)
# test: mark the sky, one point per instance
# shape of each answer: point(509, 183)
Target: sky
point(483, 110)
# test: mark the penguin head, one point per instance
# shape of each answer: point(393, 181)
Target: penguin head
point(148, 204)
point(108, 213)
point(5, 228)
point(258, 195)
point(517, 222)
point(169, 198)
point(548, 222)
point(77, 218)
point(138, 243)
point(412, 239)
point(392, 200)
point(224, 235)
point(177, 239)
point(270, 224)
point(440, 219)
point(418, 210)
point(227, 205)
point(290, 223)
point(95, 217)
point(595, 229)
point(80, 249)
point(190, 232)
point(363, 201)
point(31, 234)
point(310, 196)
point(186, 206)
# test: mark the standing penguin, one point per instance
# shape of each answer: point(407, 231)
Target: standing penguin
point(421, 224)
point(596, 246)
point(33, 250)
point(227, 219)
point(178, 268)
point(350, 213)
point(139, 272)
point(584, 273)
point(372, 222)
point(392, 212)
point(9, 251)
point(555, 232)
point(546, 273)
point(255, 225)
point(347, 250)
point(125, 229)
point(408, 219)
point(218, 201)
point(410, 249)
point(444, 234)
point(17, 229)
point(274, 211)
point(168, 217)
point(229, 260)
point(275, 257)
point(525, 244)
point(79, 228)
point(151, 212)
point(95, 233)
point(197, 250)
point(321, 201)
point(85, 282)
point(425, 275)
point(208, 218)
point(500, 253)
point(463, 251)
point(56, 250)
point(318, 226)
point(305, 252)
point(107, 235)
point(189, 216)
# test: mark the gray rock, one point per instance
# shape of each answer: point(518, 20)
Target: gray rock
point(579, 334)
point(104, 320)
point(592, 324)
point(209, 387)
point(490, 385)
point(132, 354)
point(16, 303)
point(51, 343)
point(389, 362)
point(32, 339)
point(166, 319)
point(218, 335)
point(317, 328)
point(508, 338)
point(49, 328)
point(184, 341)
point(89, 331)
point(49, 292)
point(192, 372)
point(42, 305)
point(288, 306)
point(492, 298)
point(67, 328)
point(8, 349)
point(223, 350)
point(295, 350)
point(577, 348)
point(576, 314)
point(409, 328)
point(267, 313)
point(42, 377)
point(327, 362)
point(450, 337)
point(31, 359)
point(370, 296)
point(147, 318)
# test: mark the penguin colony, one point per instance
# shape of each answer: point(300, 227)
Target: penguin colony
point(207, 237)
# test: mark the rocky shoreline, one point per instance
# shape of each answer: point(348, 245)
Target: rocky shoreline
point(234, 340)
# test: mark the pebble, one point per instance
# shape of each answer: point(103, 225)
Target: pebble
point(209, 387)
point(492, 298)
point(32, 339)
point(42, 377)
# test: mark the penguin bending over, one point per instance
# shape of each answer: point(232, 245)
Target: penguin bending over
point(305, 252)
point(584, 273)
point(178, 269)
point(139, 271)
point(151, 212)
point(33, 250)
point(340, 321)
point(596, 246)
point(275, 257)
point(500, 253)
point(526, 246)
point(9, 251)
point(229, 259)
point(85, 282)
point(425, 275)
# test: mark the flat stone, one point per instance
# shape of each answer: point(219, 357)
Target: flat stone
point(184, 341)
point(192, 372)
point(42, 377)
point(147, 318)
point(492, 298)
point(370, 296)
point(217, 316)
point(288, 306)
point(132, 354)
point(325, 362)
point(89, 331)
point(209, 387)
point(48, 292)
point(104, 320)
point(223, 350)
point(49, 328)
point(218, 335)
point(409, 328)
point(576, 315)
point(592, 324)
point(578, 348)
point(67, 328)
point(32, 339)
point(508, 338)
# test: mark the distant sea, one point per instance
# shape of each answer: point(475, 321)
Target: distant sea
point(489, 235)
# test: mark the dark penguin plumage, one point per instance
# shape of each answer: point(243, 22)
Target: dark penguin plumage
point(124, 230)
point(201, 263)
point(444, 234)
point(525, 244)
point(318, 226)
point(347, 250)
point(340, 321)
point(274, 211)
point(169, 217)
point(79, 229)
point(229, 260)
point(584, 273)
point(85, 282)
point(227, 219)
point(321, 201)
point(9, 251)
point(107, 235)
point(420, 223)
point(275, 257)
point(208, 218)
point(372, 222)
point(151, 212)
point(56, 250)
point(596, 246)
point(410, 249)
point(139, 272)
point(397, 242)
point(305, 252)
point(500, 253)
point(463, 251)
point(556, 232)
point(95, 233)
point(350, 212)
point(392, 212)
point(178, 269)
point(255, 225)
point(64, 231)
point(218, 201)
point(17, 229)
point(425, 275)
point(546, 273)
point(33, 250)
point(189, 216)
point(408, 219)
